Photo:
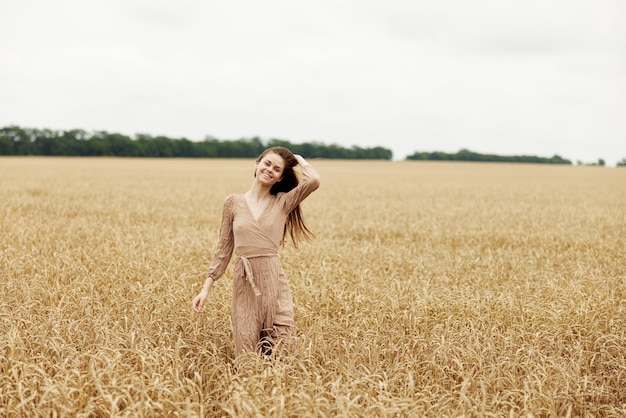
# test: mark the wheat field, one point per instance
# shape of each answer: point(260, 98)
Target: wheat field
point(431, 289)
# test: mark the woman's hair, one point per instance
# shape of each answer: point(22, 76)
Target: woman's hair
point(295, 222)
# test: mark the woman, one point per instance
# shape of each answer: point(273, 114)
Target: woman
point(255, 225)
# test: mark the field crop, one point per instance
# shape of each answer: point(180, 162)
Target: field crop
point(432, 289)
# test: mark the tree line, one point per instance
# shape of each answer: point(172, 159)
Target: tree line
point(15, 140)
point(467, 155)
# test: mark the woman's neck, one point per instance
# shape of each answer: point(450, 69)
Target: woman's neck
point(258, 192)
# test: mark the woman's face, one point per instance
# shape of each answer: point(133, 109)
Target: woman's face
point(269, 170)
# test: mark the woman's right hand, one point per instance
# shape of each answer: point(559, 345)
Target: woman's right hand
point(198, 301)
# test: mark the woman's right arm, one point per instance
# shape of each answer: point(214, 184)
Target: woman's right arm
point(198, 302)
point(221, 257)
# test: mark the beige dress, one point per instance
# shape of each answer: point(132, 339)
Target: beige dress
point(262, 302)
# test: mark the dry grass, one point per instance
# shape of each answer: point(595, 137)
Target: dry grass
point(433, 289)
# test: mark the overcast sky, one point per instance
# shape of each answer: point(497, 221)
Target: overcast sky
point(535, 77)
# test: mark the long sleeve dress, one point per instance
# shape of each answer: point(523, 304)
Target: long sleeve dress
point(262, 302)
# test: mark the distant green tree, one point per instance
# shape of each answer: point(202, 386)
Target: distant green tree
point(21, 138)
point(380, 153)
point(42, 141)
point(72, 142)
point(119, 145)
point(6, 145)
point(274, 142)
point(183, 148)
point(557, 159)
point(207, 148)
point(622, 162)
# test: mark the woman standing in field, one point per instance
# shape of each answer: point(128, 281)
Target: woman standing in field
point(255, 225)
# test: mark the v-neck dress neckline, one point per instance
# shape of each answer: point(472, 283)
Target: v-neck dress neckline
point(256, 219)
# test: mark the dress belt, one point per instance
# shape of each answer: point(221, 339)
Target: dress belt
point(247, 270)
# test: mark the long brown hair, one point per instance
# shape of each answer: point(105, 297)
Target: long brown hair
point(295, 226)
